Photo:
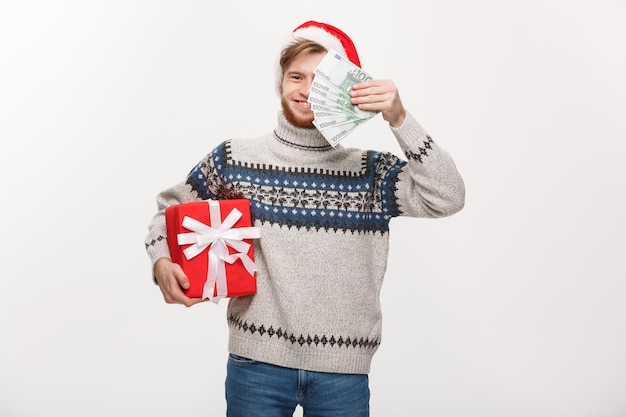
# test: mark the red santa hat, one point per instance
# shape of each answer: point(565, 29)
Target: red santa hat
point(326, 35)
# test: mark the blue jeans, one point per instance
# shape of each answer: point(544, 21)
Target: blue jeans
point(258, 389)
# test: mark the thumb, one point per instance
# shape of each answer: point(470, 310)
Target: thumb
point(181, 277)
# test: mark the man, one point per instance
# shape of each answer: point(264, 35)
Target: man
point(309, 333)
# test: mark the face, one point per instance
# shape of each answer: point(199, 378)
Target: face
point(294, 89)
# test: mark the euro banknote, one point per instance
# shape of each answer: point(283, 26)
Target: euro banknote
point(334, 114)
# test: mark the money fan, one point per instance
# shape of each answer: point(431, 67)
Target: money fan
point(334, 115)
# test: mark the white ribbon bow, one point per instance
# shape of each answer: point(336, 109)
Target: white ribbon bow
point(217, 238)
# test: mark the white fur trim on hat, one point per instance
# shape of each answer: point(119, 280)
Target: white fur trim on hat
point(320, 36)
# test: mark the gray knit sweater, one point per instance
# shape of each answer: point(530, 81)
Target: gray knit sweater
point(324, 216)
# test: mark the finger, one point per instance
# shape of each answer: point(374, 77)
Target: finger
point(373, 95)
point(172, 291)
point(172, 294)
point(367, 84)
point(366, 91)
point(183, 281)
point(374, 102)
point(175, 295)
point(181, 277)
point(193, 301)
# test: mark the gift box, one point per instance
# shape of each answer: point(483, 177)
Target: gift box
point(212, 241)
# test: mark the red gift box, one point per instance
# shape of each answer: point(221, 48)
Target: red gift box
point(212, 241)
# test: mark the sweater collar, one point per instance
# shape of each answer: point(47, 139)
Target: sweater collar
point(298, 137)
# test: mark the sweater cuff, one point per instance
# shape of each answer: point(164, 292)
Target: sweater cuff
point(156, 251)
point(410, 132)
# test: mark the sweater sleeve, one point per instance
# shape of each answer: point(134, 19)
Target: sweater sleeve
point(429, 184)
point(201, 183)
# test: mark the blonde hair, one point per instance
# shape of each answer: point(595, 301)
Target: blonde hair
point(295, 49)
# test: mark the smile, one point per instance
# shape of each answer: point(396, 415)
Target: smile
point(304, 104)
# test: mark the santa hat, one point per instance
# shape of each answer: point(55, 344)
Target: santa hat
point(326, 35)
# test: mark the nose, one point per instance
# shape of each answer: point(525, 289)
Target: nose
point(306, 86)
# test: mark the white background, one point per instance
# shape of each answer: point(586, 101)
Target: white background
point(513, 307)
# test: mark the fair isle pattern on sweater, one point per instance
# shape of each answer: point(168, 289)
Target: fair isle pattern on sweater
point(350, 202)
point(325, 217)
point(423, 152)
point(292, 338)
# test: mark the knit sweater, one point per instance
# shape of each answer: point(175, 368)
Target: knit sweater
point(324, 216)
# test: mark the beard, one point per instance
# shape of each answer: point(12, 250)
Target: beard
point(296, 119)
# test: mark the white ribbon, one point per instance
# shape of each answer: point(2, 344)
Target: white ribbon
point(217, 238)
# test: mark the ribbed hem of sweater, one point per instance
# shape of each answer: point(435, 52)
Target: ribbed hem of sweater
point(345, 360)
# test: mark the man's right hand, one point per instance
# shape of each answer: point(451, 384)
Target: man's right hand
point(172, 281)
